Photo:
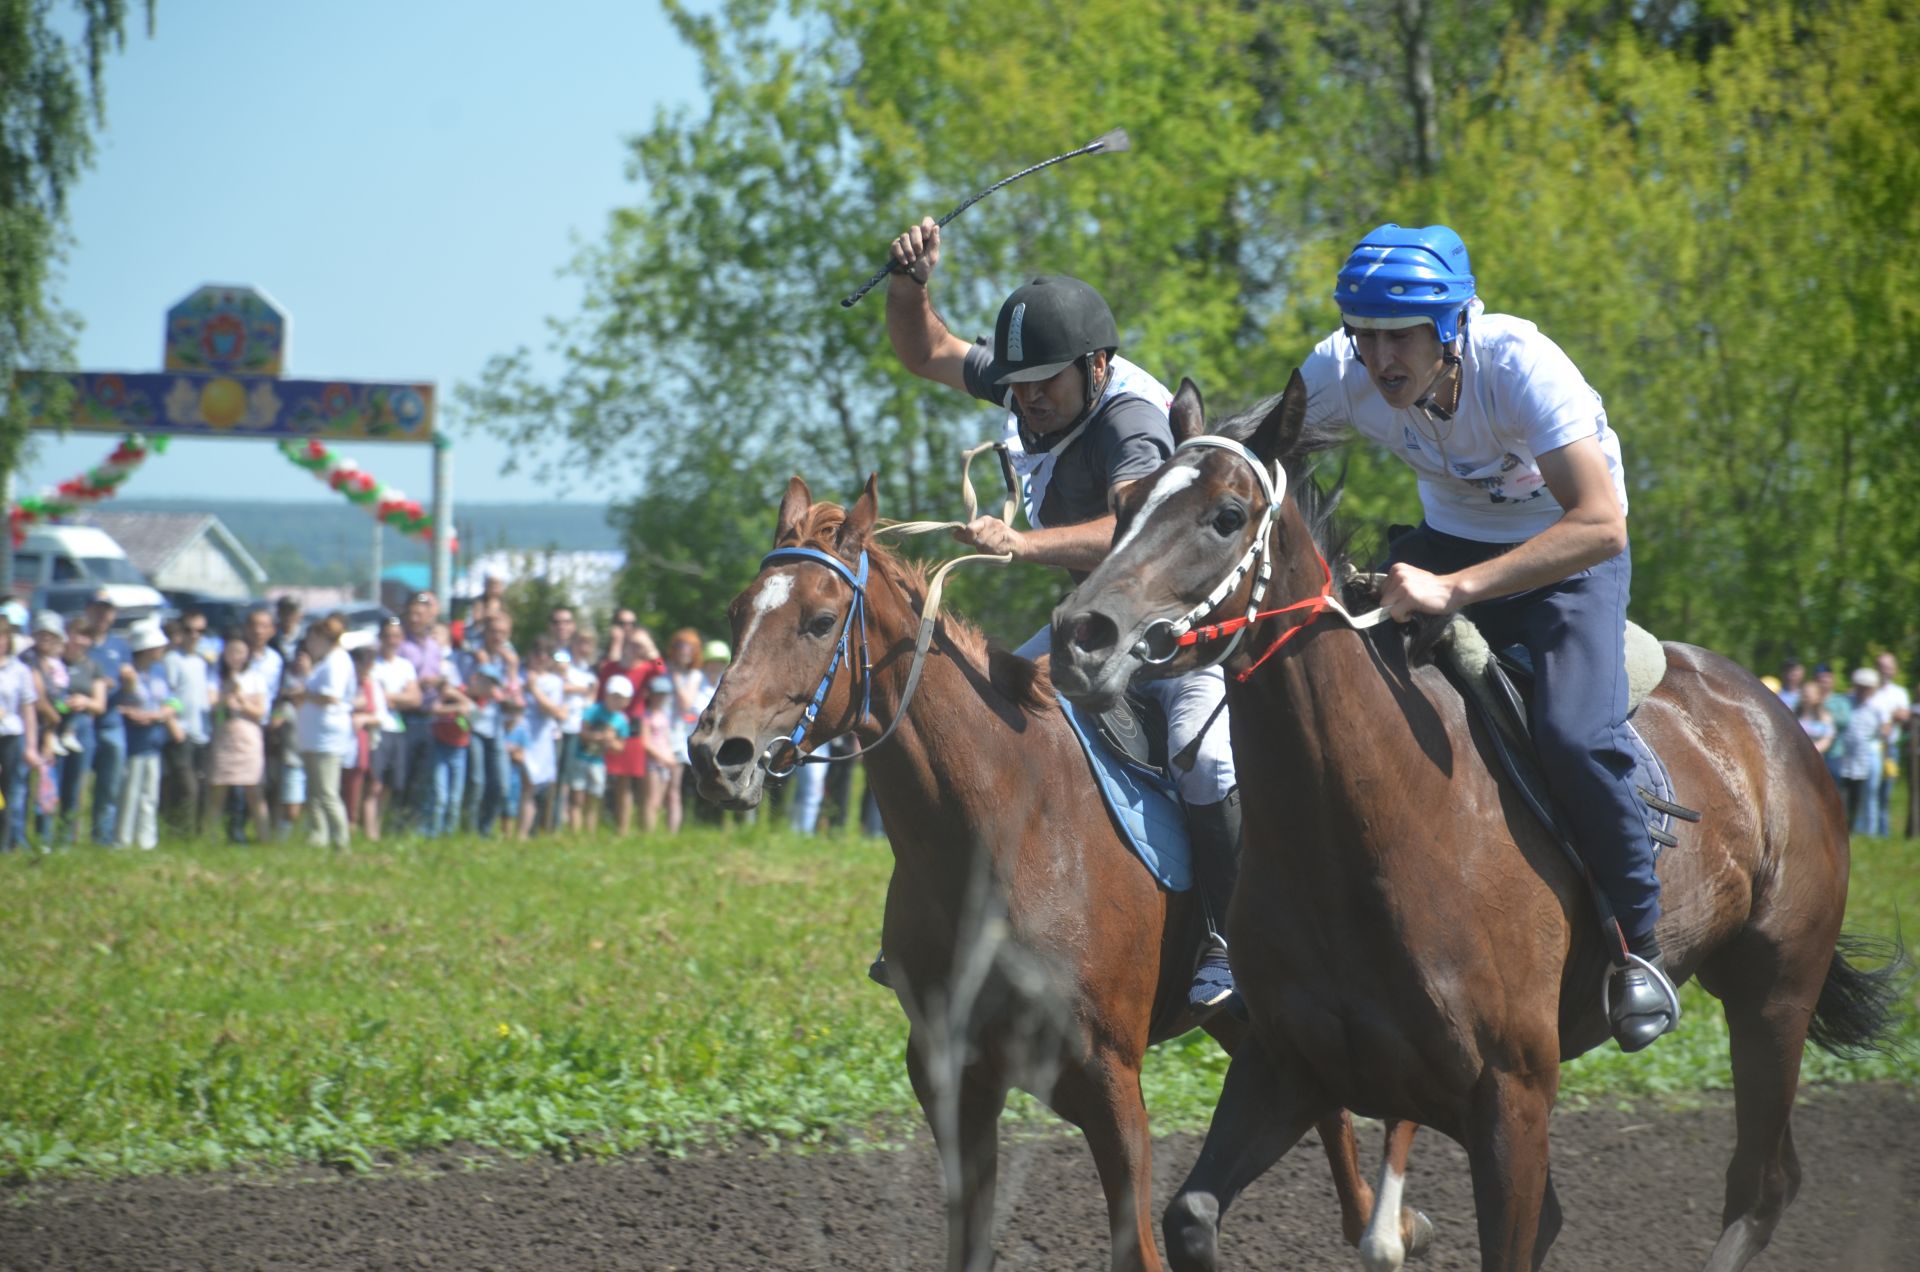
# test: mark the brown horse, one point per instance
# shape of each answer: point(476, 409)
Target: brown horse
point(1027, 945)
point(1409, 941)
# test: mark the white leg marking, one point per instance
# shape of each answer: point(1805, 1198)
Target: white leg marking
point(1380, 1247)
point(777, 591)
point(1170, 483)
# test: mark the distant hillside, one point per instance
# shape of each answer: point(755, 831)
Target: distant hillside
point(329, 542)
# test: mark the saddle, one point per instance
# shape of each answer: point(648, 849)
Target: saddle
point(1498, 684)
point(1134, 730)
point(1126, 754)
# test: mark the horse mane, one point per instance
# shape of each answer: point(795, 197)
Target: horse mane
point(1024, 683)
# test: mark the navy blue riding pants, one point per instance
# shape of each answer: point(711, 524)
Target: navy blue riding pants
point(1576, 632)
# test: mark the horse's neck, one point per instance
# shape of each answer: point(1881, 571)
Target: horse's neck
point(1328, 712)
point(938, 772)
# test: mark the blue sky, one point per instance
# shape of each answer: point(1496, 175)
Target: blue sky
point(405, 177)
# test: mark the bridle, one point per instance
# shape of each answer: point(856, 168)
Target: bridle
point(856, 613)
point(856, 578)
point(1162, 639)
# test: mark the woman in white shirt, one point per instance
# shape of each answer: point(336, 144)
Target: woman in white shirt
point(323, 730)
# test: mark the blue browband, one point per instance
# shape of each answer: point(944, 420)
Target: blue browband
point(857, 612)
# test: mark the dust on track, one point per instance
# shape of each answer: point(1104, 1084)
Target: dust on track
point(1639, 1189)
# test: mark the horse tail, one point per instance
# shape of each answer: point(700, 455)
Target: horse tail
point(1856, 1009)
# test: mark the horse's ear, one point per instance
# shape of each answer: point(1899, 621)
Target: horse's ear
point(1279, 433)
point(1187, 415)
point(793, 513)
point(860, 519)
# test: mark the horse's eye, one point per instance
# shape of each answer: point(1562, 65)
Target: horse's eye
point(821, 624)
point(1230, 519)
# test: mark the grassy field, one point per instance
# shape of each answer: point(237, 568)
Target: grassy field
point(207, 1006)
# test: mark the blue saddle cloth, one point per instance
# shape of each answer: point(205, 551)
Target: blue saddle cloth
point(1147, 809)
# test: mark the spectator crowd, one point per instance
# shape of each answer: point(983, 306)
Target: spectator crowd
point(1861, 726)
point(285, 728)
point(282, 727)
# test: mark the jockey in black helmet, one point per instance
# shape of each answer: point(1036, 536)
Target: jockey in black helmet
point(1082, 424)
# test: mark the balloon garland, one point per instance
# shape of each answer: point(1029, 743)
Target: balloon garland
point(389, 506)
point(97, 483)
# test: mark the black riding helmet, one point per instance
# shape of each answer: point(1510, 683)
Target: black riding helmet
point(1045, 327)
point(1049, 324)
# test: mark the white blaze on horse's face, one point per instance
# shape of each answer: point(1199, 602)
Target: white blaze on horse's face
point(1171, 482)
point(775, 592)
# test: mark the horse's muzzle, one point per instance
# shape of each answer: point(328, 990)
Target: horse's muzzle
point(726, 769)
point(1090, 664)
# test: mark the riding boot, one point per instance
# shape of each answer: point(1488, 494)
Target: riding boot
point(1215, 833)
point(1640, 999)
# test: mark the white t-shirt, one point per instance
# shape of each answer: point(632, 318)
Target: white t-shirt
point(390, 676)
point(1520, 397)
point(328, 727)
point(581, 685)
point(543, 731)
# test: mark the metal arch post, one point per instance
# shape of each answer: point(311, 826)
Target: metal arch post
point(443, 522)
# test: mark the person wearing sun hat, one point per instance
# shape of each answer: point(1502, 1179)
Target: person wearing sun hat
point(151, 723)
point(1861, 741)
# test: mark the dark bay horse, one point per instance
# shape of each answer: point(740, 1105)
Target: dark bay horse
point(1409, 941)
point(1029, 948)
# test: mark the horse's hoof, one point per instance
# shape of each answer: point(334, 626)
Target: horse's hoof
point(1420, 1240)
point(1191, 1227)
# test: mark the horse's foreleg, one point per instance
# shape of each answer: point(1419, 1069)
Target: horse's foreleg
point(1103, 1100)
point(1343, 1160)
point(1395, 1233)
point(964, 1115)
point(1507, 1151)
point(1266, 1105)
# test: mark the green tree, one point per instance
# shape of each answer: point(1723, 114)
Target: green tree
point(1710, 205)
point(51, 101)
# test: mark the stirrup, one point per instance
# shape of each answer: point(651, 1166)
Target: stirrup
point(877, 971)
point(1212, 988)
point(1667, 1010)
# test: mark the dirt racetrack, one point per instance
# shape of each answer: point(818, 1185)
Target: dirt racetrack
point(1640, 1191)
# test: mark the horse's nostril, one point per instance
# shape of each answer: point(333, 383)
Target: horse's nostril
point(1094, 632)
point(734, 753)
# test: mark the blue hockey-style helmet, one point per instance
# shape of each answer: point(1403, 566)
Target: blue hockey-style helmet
point(1396, 277)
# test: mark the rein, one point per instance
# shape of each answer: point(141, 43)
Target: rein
point(923, 637)
point(1180, 633)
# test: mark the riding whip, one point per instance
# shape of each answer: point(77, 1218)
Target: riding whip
point(1111, 143)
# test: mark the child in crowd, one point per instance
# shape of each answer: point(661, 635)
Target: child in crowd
point(519, 792)
point(603, 728)
point(293, 774)
point(546, 710)
point(579, 685)
point(656, 736)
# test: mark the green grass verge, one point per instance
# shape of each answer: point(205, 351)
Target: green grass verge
point(204, 1007)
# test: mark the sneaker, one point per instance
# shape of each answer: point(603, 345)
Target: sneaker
point(1640, 1001)
point(1213, 988)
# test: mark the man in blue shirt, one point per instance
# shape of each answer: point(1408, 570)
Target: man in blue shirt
point(110, 654)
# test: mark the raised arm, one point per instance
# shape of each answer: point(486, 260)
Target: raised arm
point(920, 338)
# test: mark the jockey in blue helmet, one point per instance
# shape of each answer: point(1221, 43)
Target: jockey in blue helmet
point(1525, 527)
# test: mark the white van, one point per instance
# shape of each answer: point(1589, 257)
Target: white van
point(60, 554)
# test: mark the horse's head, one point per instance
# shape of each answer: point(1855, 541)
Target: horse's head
point(1184, 552)
point(788, 631)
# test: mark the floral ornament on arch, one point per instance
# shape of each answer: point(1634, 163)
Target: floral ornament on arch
point(101, 481)
point(390, 506)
